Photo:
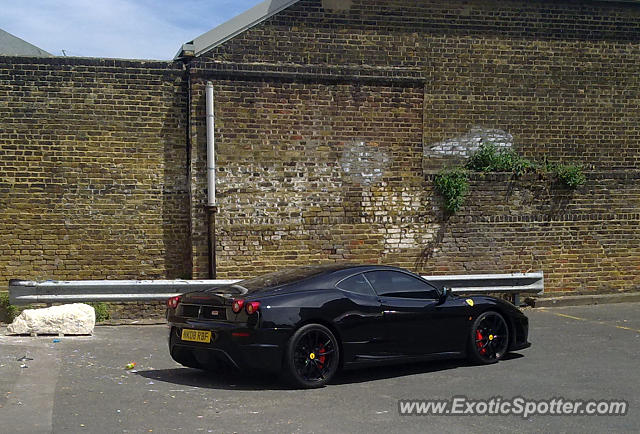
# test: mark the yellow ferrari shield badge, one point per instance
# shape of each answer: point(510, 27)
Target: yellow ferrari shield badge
point(469, 301)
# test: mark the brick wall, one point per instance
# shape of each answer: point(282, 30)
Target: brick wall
point(294, 187)
point(585, 240)
point(303, 170)
point(329, 126)
point(329, 123)
point(93, 179)
point(560, 76)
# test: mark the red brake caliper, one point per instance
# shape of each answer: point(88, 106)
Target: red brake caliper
point(320, 355)
point(479, 342)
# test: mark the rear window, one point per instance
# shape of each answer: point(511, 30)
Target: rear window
point(277, 278)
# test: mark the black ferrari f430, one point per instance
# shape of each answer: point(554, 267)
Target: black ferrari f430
point(308, 322)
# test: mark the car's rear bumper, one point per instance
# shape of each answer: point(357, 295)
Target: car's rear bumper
point(262, 349)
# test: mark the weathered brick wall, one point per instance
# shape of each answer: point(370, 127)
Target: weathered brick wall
point(286, 200)
point(329, 123)
point(93, 179)
point(560, 76)
point(585, 240)
point(304, 170)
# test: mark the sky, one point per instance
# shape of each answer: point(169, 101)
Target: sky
point(129, 29)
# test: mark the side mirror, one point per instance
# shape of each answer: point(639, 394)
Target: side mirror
point(444, 294)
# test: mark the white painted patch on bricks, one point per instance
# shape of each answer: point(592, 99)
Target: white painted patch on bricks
point(467, 144)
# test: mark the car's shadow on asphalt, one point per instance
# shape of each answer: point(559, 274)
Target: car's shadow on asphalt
point(402, 370)
point(224, 380)
point(233, 380)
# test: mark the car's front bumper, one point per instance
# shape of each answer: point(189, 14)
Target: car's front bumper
point(520, 328)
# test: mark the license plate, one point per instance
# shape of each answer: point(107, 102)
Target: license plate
point(196, 335)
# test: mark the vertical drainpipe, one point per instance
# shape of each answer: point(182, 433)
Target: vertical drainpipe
point(211, 182)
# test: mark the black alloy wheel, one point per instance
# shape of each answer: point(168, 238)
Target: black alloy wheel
point(489, 338)
point(312, 356)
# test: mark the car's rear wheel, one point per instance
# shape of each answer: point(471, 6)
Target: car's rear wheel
point(489, 338)
point(312, 356)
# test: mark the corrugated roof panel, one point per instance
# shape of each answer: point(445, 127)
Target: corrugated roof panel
point(13, 46)
point(233, 27)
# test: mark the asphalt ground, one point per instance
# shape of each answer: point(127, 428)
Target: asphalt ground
point(80, 384)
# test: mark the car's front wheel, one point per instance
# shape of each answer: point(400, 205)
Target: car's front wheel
point(489, 338)
point(312, 356)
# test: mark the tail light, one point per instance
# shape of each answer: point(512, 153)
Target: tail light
point(173, 302)
point(237, 305)
point(241, 334)
point(252, 307)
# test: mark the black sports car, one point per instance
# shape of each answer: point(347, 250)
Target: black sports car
point(308, 322)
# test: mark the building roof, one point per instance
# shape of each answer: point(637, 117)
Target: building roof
point(233, 27)
point(13, 46)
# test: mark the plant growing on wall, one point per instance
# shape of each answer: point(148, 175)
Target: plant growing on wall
point(569, 175)
point(102, 311)
point(452, 184)
point(10, 311)
point(490, 158)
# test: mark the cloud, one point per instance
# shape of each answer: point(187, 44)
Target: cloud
point(143, 29)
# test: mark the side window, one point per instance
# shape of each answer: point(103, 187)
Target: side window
point(357, 284)
point(396, 284)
